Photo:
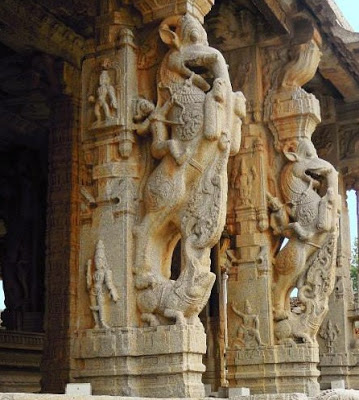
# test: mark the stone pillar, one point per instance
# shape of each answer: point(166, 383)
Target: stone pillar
point(272, 348)
point(62, 241)
point(250, 324)
point(150, 174)
point(307, 260)
point(335, 141)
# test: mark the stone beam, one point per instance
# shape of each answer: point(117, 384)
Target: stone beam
point(332, 68)
point(348, 113)
point(340, 61)
point(26, 26)
point(274, 14)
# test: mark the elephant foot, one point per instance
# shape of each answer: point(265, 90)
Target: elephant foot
point(177, 315)
point(194, 320)
point(288, 342)
point(150, 319)
point(306, 338)
point(280, 314)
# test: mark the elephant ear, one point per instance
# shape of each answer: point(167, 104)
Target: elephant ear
point(168, 36)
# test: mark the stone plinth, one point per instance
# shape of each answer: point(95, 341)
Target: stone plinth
point(342, 366)
point(276, 369)
point(162, 362)
point(339, 394)
point(20, 356)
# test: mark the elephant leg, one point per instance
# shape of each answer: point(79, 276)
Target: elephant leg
point(194, 320)
point(152, 236)
point(177, 315)
point(280, 291)
point(149, 318)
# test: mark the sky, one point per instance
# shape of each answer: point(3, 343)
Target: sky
point(350, 10)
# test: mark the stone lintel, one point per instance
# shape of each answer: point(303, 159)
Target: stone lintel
point(274, 14)
point(347, 113)
point(53, 38)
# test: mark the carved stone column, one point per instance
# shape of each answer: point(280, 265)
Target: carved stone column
point(248, 354)
point(62, 233)
point(273, 195)
point(307, 215)
point(153, 172)
point(336, 141)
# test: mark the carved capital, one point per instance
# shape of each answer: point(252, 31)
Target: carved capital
point(293, 118)
point(153, 10)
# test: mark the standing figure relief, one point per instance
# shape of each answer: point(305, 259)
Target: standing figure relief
point(97, 281)
point(248, 334)
point(308, 218)
point(195, 127)
point(105, 102)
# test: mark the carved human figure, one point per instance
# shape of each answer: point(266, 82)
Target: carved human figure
point(308, 218)
point(105, 93)
point(194, 129)
point(249, 329)
point(243, 183)
point(330, 334)
point(96, 282)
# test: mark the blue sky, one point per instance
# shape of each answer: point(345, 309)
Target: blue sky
point(350, 10)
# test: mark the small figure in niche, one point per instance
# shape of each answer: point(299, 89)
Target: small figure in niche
point(104, 91)
point(102, 276)
point(249, 329)
point(330, 335)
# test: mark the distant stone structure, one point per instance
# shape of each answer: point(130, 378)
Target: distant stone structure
point(172, 173)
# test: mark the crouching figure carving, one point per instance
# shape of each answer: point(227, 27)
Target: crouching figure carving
point(195, 127)
point(308, 218)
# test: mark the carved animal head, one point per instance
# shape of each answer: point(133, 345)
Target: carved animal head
point(187, 31)
point(313, 171)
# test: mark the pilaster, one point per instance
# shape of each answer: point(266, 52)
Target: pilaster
point(62, 240)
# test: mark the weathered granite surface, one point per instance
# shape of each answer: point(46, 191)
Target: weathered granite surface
point(339, 394)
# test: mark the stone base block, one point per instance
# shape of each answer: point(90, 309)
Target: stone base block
point(277, 369)
point(327, 395)
point(165, 361)
point(335, 367)
point(20, 357)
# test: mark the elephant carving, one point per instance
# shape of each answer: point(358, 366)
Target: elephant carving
point(195, 127)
